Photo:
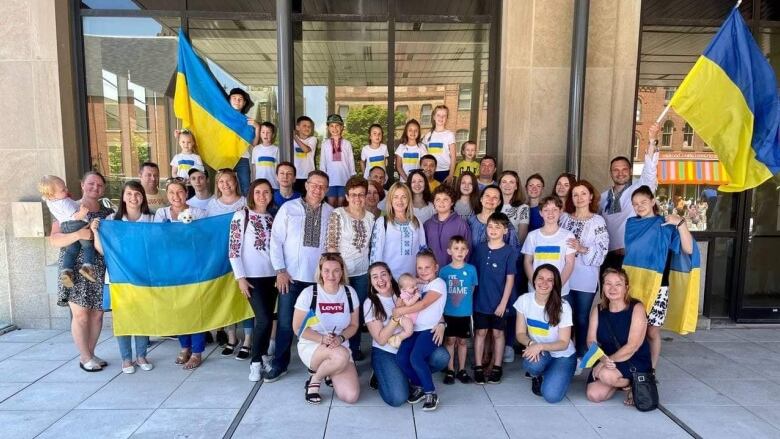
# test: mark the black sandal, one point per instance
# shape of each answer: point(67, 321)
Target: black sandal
point(449, 376)
point(312, 397)
point(228, 350)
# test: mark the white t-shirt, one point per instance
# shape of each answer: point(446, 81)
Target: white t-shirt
point(265, 159)
point(517, 215)
point(430, 316)
point(339, 171)
point(332, 310)
point(539, 330)
point(374, 157)
point(63, 209)
point(304, 161)
point(549, 250)
point(184, 162)
point(388, 303)
point(197, 202)
point(163, 214)
point(410, 157)
point(216, 207)
point(438, 144)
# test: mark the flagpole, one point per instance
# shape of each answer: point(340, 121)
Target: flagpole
point(663, 113)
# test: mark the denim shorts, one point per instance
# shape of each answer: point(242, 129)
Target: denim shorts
point(336, 191)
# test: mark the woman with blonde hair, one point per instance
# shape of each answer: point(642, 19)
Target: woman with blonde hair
point(398, 235)
point(325, 317)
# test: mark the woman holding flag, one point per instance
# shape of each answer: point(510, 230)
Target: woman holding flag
point(651, 242)
point(616, 336)
point(325, 317)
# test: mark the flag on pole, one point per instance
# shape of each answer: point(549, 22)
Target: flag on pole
point(591, 357)
point(730, 99)
point(221, 132)
point(310, 320)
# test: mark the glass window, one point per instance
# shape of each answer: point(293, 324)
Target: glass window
point(666, 136)
point(638, 110)
point(484, 96)
point(343, 111)
point(425, 114)
point(460, 137)
point(687, 136)
point(403, 110)
point(482, 142)
point(464, 97)
point(129, 63)
point(669, 94)
point(637, 142)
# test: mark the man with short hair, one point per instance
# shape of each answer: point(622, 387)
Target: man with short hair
point(200, 183)
point(487, 172)
point(428, 166)
point(149, 174)
point(285, 175)
point(615, 204)
point(297, 241)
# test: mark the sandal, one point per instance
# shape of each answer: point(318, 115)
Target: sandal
point(313, 397)
point(449, 376)
point(91, 366)
point(183, 357)
point(629, 401)
point(100, 361)
point(193, 362)
point(228, 350)
point(243, 353)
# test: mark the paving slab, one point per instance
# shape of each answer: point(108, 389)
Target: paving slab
point(48, 350)
point(25, 371)
point(70, 372)
point(52, 396)
point(9, 389)
point(186, 423)
point(769, 413)
point(691, 392)
point(726, 423)
point(30, 335)
point(625, 422)
point(19, 424)
point(209, 395)
point(748, 392)
point(370, 422)
point(79, 424)
point(458, 421)
point(9, 349)
point(127, 395)
point(545, 422)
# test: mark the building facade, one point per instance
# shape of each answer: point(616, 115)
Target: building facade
point(89, 85)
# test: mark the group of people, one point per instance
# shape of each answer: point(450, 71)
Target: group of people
point(451, 252)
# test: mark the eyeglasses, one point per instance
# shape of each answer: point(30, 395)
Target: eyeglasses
point(185, 131)
point(174, 180)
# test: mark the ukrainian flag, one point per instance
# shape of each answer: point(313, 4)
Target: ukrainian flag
point(547, 253)
point(186, 165)
point(591, 357)
point(730, 99)
point(299, 152)
point(435, 148)
point(537, 327)
point(377, 160)
point(171, 278)
point(411, 158)
point(266, 161)
point(310, 320)
point(645, 264)
point(221, 132)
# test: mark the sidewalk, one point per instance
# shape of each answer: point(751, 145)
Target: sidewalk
point(722, 383)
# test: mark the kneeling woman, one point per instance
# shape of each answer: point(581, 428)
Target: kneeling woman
point(544, 324)
point(378, 308)
point(326, 316)
point(618, 326)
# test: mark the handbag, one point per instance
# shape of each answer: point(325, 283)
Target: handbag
point(643, 386)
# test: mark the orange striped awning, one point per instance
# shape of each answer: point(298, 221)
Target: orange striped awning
point(692, 172)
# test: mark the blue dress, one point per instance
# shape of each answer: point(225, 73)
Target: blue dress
point(621, 324)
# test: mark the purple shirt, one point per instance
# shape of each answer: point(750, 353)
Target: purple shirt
point(438, 234)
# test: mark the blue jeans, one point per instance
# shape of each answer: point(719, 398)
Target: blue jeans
point(412, 358)
point(393, 384)
point(72, 251)
point(360, 284)
point(557, 373)
point(580, 303)
point(243, 173)
point(194, 342)
point(126, 348)
point(284, 331)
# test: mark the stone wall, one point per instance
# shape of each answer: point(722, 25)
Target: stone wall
point(31, 142)
point(535, 69)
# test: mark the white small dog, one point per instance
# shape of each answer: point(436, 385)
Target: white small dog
point(185, 216)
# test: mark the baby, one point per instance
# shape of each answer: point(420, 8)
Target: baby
point(72, 217)
point(409, 295)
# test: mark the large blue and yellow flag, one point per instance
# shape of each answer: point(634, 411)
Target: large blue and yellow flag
point(220, 131)
point(645, 261)
point(171, 278)
point(730, 99)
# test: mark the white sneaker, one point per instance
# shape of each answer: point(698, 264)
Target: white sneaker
point(509, 354)
point(578, 369)
point(255, 371)
point(267, 360)
point(272, 348)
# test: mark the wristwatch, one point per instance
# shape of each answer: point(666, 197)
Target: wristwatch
point(443, 323)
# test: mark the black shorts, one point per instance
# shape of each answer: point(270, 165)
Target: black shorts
point(458, 327)
point(489, 321)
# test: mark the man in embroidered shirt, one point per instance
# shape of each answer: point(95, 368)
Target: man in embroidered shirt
point(297, 241)
point(615, 205)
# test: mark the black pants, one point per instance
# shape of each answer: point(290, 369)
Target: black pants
point(263, 301)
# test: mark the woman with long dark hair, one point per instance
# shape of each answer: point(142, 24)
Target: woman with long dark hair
point(544, 324)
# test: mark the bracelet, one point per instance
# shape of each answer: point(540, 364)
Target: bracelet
point(342, 338)
point(682, 221)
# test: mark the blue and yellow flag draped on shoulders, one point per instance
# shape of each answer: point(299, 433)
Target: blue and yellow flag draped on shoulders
point(730, 99)
point(171, 278)
point(220, 131)
point(649, 243)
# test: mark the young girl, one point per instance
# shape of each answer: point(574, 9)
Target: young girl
point(422, 201)
point(187, 159)
point(534, 186)
point(514, 203)
point(408, 153)
point(265, 156)
point(549, 244)
point(337, 160)
point(468, 195)
point(441, 144)
point(375, 153)
point(240, 101)
point(415, 351)
point(563, 185)
point(469, 163)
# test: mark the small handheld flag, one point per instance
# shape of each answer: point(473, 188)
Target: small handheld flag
point(310, 320)
point(592, 356)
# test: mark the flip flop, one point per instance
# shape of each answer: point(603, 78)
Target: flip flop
point(193, 362)
point(90, 366)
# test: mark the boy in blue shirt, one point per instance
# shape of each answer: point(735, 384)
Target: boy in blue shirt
point(496, 264)
point(461, 279)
